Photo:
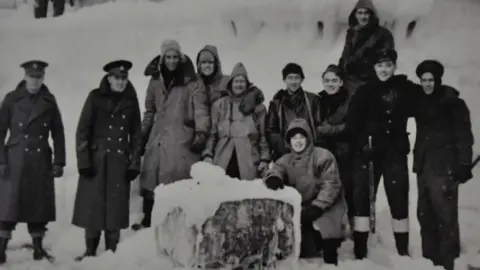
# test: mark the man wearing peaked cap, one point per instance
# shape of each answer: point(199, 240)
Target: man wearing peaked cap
point(378, 112)
point(118, 67)
point(30, 114)
point(108, 140)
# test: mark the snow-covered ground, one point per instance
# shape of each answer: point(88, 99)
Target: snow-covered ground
point(78, 44)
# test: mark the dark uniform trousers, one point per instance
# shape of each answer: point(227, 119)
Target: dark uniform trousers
point(35, 229)
point(41, 8)
point(393, 166)
point(109, 234)
point(437, 213)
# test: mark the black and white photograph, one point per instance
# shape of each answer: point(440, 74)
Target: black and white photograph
point(239, 134)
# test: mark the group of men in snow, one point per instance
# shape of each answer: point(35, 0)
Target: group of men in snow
point(320, 144)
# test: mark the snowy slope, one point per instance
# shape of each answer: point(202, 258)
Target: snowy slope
point(78, 44)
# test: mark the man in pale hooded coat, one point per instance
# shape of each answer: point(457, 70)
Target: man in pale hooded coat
point(175, 126)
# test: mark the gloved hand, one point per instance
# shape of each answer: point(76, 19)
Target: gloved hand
point(87, 173)
point(463, 173)
point(132, 174)
point(274, 183)
point(262, 168)
point(199, 142)
point(310, 213)
point(4, 171)
point(57, 171)
point(252, 99)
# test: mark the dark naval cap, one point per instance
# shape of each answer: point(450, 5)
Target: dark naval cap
point(385, 55)
point(118, 67)
point(34, 68)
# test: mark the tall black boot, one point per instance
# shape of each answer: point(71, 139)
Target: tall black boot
point(39, 253)
point(401, 242)
point(147, 215)
point(91, 248)
point(3, 249)
point(360, 240)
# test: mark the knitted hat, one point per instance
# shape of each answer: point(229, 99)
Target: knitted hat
point(432, 66)
point(239, 70)
point(334, 69)
point(292, 68)
point(168, 45)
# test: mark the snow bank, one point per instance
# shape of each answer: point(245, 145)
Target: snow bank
point(196, 218)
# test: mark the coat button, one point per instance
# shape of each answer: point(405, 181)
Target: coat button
point(123, 116)
point(38, 150)
point(45, 124)
point(119, 151)
point(110, 127)
point(112, 116)
point(20, 124)
point(26, 149)
point(108, 150)
point(108, 138)
point(26, 136)
point(388, 131)
point(119, 139)
point(121, 128)
point(40, 137)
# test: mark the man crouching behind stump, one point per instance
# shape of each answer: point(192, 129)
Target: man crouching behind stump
point(313, 172)
point(108, 143)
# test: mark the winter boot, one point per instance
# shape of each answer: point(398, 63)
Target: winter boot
point(401, 242)
point(39, 252)
point(147, 215)
point(3, 249)
point(360, 240)
point(91, 248)
point(111, 243)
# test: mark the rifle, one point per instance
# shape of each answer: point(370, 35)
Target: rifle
point(371, 188)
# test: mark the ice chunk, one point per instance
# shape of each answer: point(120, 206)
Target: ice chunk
point(213, 221)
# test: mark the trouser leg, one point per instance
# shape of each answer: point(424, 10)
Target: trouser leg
point(445, 205)
point(6, 229)
point(92, 239)
point(396, 184)
point(308, 248)
point(345, 167)
point(112, 237)
point(41, 8)
point(37, 232)
point(427, 220)
point(58, 7)
point(232, 169)
point(147, 208)
point(361, 190)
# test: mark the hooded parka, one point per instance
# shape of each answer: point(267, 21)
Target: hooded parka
point(314, 174)
point(173, 115)
point(360, 45)
point(233, 132)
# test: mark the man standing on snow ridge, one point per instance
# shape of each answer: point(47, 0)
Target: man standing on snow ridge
point(442, 161)
point(108, 140)
point(27, 188)
point(364, 37)
point(380, 109)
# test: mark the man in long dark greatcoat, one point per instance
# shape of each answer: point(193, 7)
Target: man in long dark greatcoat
point(108, 140)
point(27, 191)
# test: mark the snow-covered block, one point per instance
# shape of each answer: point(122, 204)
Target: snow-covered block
point(215, 222)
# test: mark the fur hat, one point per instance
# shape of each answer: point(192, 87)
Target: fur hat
point(292, 68)
point(432, 66)
point(385, 55)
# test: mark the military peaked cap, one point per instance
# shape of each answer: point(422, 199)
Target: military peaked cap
point(118, 67)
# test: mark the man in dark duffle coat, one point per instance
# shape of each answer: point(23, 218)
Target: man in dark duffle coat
point(108, 140)
point(27, 169)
